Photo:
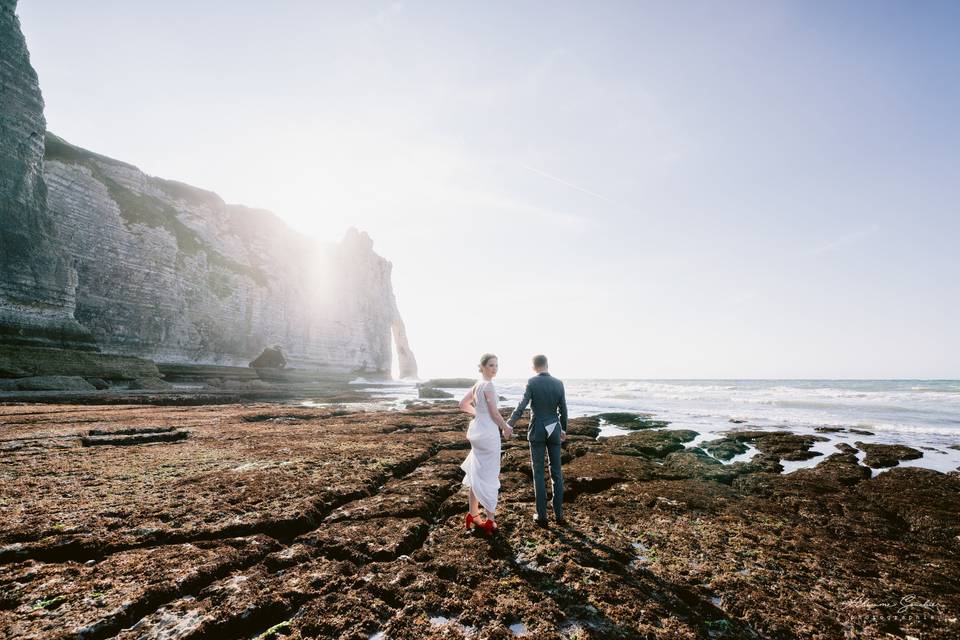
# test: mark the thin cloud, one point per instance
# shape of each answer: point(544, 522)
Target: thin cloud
point(569, 184)
point(846, 240)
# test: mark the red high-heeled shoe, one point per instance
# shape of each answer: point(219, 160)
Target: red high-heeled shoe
point(489, 527)
point(469, 521)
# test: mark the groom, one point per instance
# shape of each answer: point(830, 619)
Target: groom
point(546, 432)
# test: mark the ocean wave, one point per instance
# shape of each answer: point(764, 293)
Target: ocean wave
point(815, 404)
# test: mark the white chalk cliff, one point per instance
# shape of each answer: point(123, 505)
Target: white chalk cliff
point(170, 272)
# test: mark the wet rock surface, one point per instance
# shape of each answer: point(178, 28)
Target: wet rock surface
point(887, 455)
point(652, 444)
point(293, 522)
point(630, 420)
point(725, 448)
point(786, 446)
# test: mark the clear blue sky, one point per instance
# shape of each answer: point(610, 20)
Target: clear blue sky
point(637, 189)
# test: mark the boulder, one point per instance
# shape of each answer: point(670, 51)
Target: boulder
point(430, 392)
point(98, 383)
point(271, 358)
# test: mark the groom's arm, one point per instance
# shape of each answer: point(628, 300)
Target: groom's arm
point(520, 407)
point(562, 406)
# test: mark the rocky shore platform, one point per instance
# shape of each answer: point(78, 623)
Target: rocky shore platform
point(272, 521)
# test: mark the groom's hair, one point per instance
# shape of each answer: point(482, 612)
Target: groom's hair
point(539, 362)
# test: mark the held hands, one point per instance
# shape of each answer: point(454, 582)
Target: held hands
point(563, 436)
point(507, 431)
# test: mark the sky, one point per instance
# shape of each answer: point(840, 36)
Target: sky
point(636, 189)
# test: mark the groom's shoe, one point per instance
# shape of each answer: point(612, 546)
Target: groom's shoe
point(540, 522)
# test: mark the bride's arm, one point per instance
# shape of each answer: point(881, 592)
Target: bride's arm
point(491, 400)
point(466, 404)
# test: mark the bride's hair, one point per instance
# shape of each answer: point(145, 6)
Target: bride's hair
point(484, 359)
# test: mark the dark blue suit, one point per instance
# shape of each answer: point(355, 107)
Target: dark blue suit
point(548, 403)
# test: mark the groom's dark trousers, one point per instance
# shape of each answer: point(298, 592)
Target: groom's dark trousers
point(548, 404)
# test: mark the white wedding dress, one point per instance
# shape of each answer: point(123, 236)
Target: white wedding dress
point(482, 465)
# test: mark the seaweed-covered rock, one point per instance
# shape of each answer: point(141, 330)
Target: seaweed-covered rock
point(600, 471)
point(283, 521)
point(695, 463)
point(652, 444)
point(588, 426)
point(841, 468)
point(845, 447)
point(786, 446)
point(725, 448)
point(887, 455)
point(632, 420)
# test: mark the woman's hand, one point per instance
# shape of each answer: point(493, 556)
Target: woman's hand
point(507, 431)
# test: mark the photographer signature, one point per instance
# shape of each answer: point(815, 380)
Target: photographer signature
point(905, 603)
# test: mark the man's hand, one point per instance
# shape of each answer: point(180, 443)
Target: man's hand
point(508, 432)
point(563, 436)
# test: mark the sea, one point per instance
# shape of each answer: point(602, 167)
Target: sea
point(924, 414)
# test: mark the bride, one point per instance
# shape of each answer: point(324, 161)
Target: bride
point(482, 466)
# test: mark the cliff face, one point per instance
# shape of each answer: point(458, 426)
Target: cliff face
point(172, 273)
point(162, 270)
point(37, 281)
